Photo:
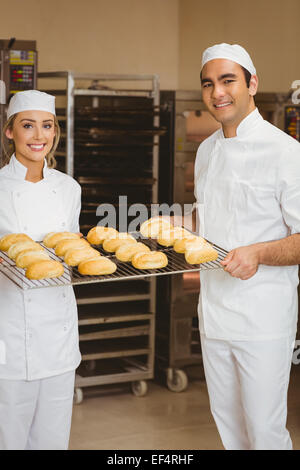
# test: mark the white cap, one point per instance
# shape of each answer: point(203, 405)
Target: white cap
point(31, 100)
point(232, 52)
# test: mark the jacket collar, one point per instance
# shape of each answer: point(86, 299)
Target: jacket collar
point(245, 126)
point(19, 171)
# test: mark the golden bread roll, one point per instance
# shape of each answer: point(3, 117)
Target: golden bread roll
point(74, 256)
point(97, 235)
point(64, 245)
point(196, 255)
point(27, 257)
point(17, 248)
point(11, 239)
point(44, 270)
point(97, 266)
point(126, 251)
point(180, 246)
point(47, 237)
point(167, 237)
point(113, 243)
point(151, 227)
point(151, 260)
point(53, 238)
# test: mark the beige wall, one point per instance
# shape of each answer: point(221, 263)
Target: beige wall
point(268, 29)
point(158, 36)
point(99, 36)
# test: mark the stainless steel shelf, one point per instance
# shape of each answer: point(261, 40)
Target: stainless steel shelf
point(137, 93)
point(97, 320)
point(116, 333)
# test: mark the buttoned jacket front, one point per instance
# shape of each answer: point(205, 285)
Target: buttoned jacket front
point(248, 191)
point(38, 327)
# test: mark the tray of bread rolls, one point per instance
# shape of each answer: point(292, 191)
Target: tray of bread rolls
point(65, 258)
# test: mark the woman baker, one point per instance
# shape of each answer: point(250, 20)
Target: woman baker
point(39, 347)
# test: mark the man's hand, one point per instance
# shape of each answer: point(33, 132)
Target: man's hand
point(242, 262)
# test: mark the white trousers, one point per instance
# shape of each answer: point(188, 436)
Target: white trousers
point(247, 384)
point(36, 415)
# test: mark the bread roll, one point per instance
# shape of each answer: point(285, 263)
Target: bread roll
point(74, 256)
point(151, 227)
point(196, 255)
point(113, 243)
point(126, 251)
point(167, 237)
point(27, 257)
point(97, 235)
point(47, 237)
point(10, 239)
point(17, 248)
point(97, 266)
point(44, 270)
point(151, 260)
point(64, 245)
point(53, 238)
point(180, 246)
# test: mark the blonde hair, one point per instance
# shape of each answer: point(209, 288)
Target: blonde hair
point(9, 148)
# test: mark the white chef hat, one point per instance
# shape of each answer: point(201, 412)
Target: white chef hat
point(31, 100)
point(232, 52)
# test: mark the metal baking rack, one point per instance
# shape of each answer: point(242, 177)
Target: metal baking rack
point(125, 271)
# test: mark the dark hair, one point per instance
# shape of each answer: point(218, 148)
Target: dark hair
point(247, 75)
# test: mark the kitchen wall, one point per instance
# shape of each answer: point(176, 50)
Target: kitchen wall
point(104, 36)
point(268, 29)
point(158, 36)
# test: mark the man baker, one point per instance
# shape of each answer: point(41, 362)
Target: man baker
point(247, 188)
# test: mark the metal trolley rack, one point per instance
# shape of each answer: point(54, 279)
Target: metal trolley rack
point(110, 144)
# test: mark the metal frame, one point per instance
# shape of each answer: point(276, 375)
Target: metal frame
point(125, 271)
point(72, 89)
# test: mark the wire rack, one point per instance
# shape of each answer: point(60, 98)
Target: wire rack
point(125, 271)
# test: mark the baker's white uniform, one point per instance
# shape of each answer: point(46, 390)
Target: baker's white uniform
point(248, 190)
point(39, 327)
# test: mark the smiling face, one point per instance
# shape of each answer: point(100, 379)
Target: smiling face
point(225, 93)
point(33, 134)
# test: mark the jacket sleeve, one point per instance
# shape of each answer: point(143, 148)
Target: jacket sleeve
point(288, 187)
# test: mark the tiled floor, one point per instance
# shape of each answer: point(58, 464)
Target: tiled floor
point(113, 418)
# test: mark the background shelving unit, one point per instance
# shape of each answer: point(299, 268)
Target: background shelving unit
point(110, 145)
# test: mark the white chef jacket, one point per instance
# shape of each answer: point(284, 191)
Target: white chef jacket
point(247, 190)
point(38, 327)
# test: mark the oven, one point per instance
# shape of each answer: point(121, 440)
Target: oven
point(18, 72)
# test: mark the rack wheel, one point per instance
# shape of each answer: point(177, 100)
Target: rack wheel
point(177, 380)
point(139, 388)
point(78, 396)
